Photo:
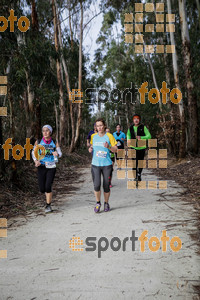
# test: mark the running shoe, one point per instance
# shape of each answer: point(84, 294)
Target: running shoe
point(110, 186)
point(106, 206)
point(97, 207)
point(48, 208)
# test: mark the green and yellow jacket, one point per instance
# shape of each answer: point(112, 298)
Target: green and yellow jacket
point(139, 130)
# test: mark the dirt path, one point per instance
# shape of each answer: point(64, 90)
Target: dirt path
point(40, 264)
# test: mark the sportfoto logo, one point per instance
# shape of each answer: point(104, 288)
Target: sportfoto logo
point(93, 95)
point(23, 22)
point(116, 244)
point(18, 150)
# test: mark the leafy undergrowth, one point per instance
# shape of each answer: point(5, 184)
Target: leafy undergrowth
point(21, 196)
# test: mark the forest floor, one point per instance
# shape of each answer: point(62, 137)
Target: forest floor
point(41, 265)
point(186, 173)
point(22, 197)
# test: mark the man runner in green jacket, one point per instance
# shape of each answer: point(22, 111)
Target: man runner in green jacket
point(139, 132)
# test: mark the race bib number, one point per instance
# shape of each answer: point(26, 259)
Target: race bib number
point(101, 154)
point(50, 165)
point(118, 143)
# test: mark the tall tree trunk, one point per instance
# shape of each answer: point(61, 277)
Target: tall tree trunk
point(192, 100)
point(34, 18)
point(70, 24)
point(56, 114)
point(29, 107)
point(78, 124)
point(160, 103)
point(62, 135)
point(12, 135)
point(67, 80)
point(198, 7)
point(182, 147)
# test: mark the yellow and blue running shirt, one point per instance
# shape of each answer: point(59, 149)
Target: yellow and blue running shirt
point(101, 154)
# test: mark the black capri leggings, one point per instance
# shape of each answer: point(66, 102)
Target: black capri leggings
point(96, 176)
point(139, 156)
point(45, 179)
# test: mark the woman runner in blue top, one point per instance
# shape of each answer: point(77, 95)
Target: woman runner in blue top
point(101, 145)
point(47, 165)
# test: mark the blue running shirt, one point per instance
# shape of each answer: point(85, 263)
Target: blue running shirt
point(49, 148)
point(120, 136)
point(101, 154)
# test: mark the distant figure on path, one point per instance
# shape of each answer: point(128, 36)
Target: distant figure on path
point(120, 138)
point(139, 132)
